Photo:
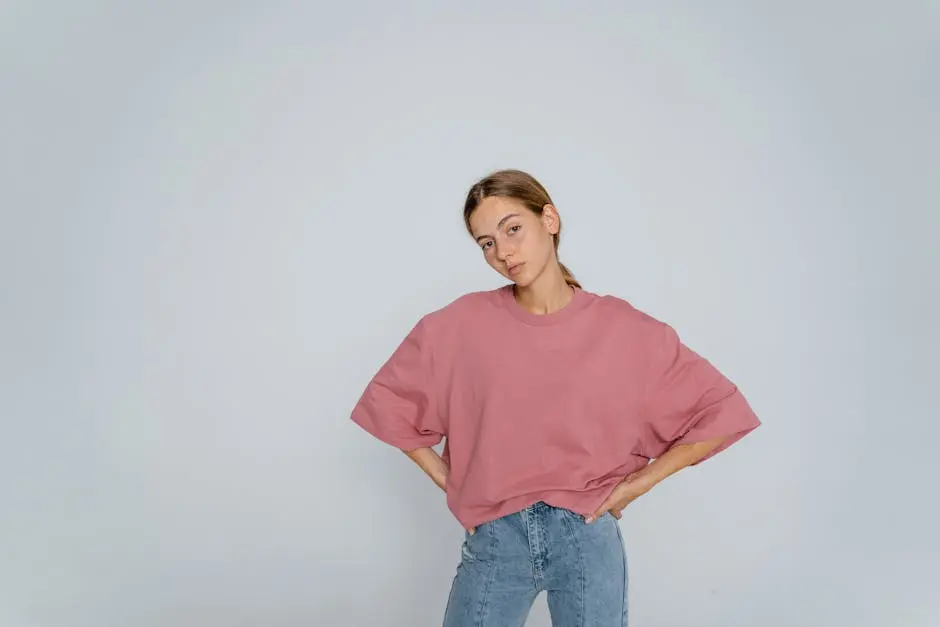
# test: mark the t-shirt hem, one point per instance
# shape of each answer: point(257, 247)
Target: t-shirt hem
point(582, 502)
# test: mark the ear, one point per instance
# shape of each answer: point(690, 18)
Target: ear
point(551, 219)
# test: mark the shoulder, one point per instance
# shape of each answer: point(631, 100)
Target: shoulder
point(650, 338)
point(461, 310)
point(623, 311)
point(642, 329)
point(471, 302)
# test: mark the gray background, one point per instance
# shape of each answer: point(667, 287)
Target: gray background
point(219, 218)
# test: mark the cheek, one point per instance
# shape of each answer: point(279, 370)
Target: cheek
point(527, 242)
point(489, 256)
point(536, 245)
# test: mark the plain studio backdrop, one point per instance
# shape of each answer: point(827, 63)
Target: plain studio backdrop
point(220, 218)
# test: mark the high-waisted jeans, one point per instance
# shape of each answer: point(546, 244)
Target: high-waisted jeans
point(507, 562)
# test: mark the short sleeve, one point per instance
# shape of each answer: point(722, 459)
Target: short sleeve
point(399, 405)
point(688, 400)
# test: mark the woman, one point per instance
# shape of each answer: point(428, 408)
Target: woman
point(559, 408)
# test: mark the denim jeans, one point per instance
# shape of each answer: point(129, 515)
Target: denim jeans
point(507, 562)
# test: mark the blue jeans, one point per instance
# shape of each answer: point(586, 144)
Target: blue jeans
point(509, 561)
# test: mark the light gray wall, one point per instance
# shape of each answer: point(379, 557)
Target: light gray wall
point(220, 217)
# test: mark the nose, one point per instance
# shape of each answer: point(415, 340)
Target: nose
point(503, 251)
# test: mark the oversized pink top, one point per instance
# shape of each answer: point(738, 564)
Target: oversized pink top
point(556, 407)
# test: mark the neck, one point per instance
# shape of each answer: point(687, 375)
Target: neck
point(546, 294)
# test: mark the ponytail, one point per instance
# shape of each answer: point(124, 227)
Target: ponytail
point(569, 278)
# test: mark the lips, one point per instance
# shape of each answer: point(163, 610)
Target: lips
point(516, 267)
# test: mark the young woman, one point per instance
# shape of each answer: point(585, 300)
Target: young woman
point(559, 408)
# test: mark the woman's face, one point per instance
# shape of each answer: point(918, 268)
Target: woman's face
point(515, 241)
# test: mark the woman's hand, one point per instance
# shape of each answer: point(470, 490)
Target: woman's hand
point(642, 481)
point(633, 486)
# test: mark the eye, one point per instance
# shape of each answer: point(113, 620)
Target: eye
point(487, 244)
point(515, 228)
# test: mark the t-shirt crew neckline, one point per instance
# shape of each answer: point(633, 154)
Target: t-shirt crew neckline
point(579, 301)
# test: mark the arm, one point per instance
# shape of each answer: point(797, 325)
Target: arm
point(675, 459)
point(642, 481)
point(431, 463)
point(433, 466)
point(691, 412)
point(399, 405)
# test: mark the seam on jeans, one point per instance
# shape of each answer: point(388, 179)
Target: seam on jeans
point(493, 565)
point(577, 545)
point(623, 551)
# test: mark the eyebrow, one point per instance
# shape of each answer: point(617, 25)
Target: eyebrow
point(499, 224)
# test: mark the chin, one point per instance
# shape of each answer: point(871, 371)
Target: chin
point(523, 280)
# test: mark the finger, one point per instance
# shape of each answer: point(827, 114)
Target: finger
point(597, 513)
point(617, 513)
point(472, 530)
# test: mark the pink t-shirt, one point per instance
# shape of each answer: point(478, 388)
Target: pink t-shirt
point(556, 407)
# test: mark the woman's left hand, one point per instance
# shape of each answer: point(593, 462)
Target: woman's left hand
point(633, 486)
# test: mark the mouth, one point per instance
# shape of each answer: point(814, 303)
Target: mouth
point(516, 268)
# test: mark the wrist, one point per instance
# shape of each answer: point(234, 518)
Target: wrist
point(645, 478)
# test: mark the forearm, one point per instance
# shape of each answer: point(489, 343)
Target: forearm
point(677, 458)
point(431, 463)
